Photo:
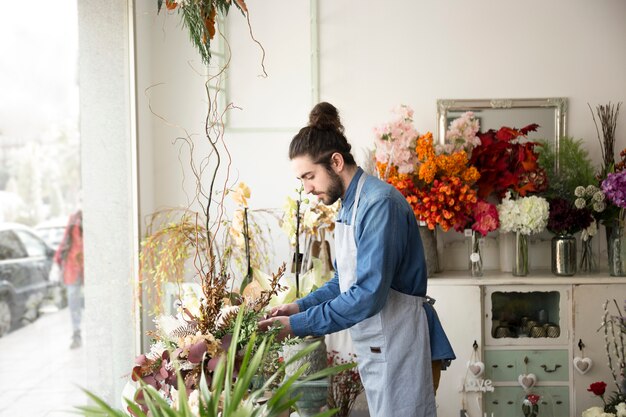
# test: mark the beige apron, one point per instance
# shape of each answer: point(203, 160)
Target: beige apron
point(392, 347)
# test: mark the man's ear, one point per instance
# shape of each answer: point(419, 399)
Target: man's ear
point(337, 162)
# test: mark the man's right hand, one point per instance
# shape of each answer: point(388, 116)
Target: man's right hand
point(284, 310)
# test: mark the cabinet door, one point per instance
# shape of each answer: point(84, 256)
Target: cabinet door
point(459, 308)
point(507, 401)
point(588, 300)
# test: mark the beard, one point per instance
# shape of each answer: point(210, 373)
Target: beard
point(335, 189)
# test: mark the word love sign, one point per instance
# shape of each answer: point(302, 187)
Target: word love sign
point(479, 385)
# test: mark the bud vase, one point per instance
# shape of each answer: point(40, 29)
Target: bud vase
point(475, 253)
point(520, 263)
point(564, 255)
point(429, 242)
point(587, 259)
point(617, 250)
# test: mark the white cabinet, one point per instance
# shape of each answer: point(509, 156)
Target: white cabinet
point(588, 312)
point(495, 311)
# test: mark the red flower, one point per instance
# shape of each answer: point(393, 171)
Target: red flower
point(533, 398)
point(597, 388)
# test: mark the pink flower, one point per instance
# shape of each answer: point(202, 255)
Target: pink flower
point(485, 217)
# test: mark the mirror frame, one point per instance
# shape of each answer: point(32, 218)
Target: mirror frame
point(559, 104)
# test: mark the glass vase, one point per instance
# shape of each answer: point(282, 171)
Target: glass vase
point(617, 250)
point(520, 263)
point(429, 242)
point(475, 253)
point(564, 255)
point(587, 258)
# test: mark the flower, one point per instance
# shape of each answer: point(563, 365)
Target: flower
point(485, 217)
point(566, 219)
point(345, 386)
point(530, 405)
point(504, 163)
point(444, 189)
point(598, 388)
point(395, 141)
point(462, 134)
point(241, 194)
point(596, 412)
point(526, 215)
point(614, 186)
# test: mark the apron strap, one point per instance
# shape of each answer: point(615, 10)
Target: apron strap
point(359, 186)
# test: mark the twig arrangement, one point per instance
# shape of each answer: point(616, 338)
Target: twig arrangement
point(607, 115)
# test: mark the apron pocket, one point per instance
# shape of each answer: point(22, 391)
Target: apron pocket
point(368, 329)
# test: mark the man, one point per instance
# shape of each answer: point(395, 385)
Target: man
point(380, 283)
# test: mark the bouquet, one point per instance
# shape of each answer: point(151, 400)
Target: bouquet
point(592, 199)
point(445, 194)
point(484, 218)
point(438, 186)
point(526, 215)
point(614, 187)
point(344, 386)
point(504, 163)
point(566, 219)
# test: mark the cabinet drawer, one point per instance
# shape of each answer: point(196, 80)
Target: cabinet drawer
point(507, 401)
point(507, 365)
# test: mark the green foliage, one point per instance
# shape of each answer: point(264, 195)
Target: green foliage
point(575, 167)
point(199, 17)
point(227, 396)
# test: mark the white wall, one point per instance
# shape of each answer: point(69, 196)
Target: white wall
point(372, 58)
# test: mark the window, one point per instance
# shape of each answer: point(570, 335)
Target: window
point(10, 246)
point(34, 247)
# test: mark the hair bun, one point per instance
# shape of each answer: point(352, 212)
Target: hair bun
point(325, 116)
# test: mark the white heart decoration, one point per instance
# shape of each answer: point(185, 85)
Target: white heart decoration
point(582, 365)
point(527, 381)
point(476, 368)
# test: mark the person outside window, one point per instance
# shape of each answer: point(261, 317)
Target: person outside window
point(69, 257)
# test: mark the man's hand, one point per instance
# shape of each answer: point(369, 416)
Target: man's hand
point(284, 310)
point(277, 321)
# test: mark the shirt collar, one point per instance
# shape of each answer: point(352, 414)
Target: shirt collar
point(348, 199)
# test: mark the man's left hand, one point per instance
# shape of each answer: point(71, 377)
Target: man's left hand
point(283, 321)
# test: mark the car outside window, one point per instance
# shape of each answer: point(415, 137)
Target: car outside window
point(34, 246)
point(10, 246)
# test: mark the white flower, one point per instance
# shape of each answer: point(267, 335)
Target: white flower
point(590, 190)
point(599, 196)
point(156, 350)
point(593, 412)
point(526, 215)
point(579, 191)
point(590, 231)
point(580, 203)
point(621, 410)
point(599, 206)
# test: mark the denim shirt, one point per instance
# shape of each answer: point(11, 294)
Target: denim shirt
point(389, 255)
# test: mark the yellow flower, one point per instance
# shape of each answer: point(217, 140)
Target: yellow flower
point(241, 194)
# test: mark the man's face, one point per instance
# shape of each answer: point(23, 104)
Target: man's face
point(317, 180)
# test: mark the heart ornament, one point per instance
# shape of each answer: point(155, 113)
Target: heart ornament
point(527, 381)
point(582, 365)
point(476, 368)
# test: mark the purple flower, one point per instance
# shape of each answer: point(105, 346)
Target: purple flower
point(564, 218)
point(614, 187)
